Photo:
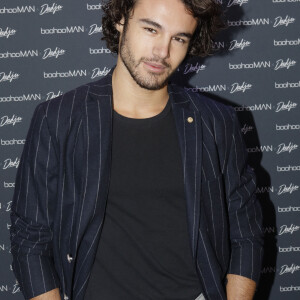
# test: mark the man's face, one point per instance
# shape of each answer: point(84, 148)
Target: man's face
point(155, 41)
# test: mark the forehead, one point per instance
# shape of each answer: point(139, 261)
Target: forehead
point(170, 14)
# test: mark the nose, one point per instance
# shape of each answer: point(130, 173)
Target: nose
point(162, 48)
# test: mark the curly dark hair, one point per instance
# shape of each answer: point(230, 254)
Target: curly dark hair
point(208, 13)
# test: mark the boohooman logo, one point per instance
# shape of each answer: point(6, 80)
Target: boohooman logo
point(291, 288)
point(288, 168)
point(21, 98)
point(287, 127)
point(252, 65)
point(93, 6)
point(264, 189)
point(67, 74)
point(252, 22)
point(18, 10)
point(287, 85)
point(11, 142)
point(287, 42)
point(254, 107)
point(289, 209)
point(289, 249)
point(8, 185)
point(258, 149)
point(268, 270)
point(99, 51)
point(65, 30)
point(209, 88)
point(20, 54)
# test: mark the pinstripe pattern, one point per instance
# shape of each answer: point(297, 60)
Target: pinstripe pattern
point(63, 179)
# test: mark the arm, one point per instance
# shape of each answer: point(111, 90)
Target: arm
point(245, 220)
point(32, 211)
point(51, 295)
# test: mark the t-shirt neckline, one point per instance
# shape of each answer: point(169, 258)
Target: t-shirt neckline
point(158, 116)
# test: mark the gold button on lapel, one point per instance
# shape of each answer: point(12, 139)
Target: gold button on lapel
point(190, 119)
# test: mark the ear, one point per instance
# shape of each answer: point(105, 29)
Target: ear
point(119, 26)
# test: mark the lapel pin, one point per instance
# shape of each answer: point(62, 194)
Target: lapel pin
point(190, 119)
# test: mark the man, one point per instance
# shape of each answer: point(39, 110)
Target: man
point(130, 188)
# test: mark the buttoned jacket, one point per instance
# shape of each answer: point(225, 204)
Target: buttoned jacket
point(62, 185)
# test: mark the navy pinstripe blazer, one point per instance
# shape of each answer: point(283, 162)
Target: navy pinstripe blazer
point(63, 179)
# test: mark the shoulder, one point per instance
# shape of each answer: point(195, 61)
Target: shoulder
point(209, 108)
point(71, 104)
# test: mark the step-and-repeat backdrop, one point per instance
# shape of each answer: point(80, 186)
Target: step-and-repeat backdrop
point(48, 48)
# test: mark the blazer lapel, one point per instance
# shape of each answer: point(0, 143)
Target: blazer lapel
point(189, 129)
point(96, 165)
point(99, 121)
point(97, 124)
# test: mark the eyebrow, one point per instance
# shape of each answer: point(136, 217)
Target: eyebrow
point(158, 26)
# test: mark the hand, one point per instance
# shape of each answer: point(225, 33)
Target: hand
point(240, 287)
point(51, 295)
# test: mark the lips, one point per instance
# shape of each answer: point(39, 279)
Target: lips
point(155, 67)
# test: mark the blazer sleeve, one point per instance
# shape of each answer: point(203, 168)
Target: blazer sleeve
point(245, 215)
point(32, 209)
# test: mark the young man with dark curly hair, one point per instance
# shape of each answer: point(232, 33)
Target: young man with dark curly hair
point(132, 188)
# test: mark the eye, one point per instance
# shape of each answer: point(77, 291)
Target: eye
point(180, 40)
point(151, 30)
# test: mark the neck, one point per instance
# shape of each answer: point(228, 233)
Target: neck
point(130, 100)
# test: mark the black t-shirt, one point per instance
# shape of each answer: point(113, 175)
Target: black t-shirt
point(144, 251)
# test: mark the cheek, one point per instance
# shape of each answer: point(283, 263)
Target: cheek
point(142, 43)
point(179, 54)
